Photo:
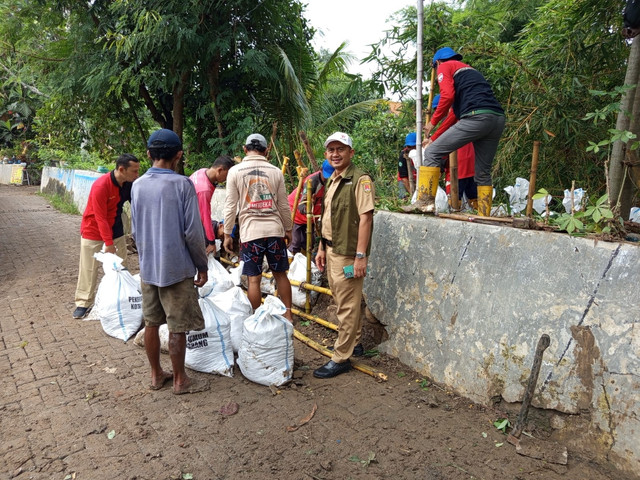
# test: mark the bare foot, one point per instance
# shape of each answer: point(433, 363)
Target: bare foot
point(191, 385)
point(159, 382)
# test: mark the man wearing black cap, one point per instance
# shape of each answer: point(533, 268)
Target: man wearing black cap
point(168, 233)
point(481, 121)
point(256, 195)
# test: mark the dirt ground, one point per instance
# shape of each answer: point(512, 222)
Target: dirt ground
point(75, 402)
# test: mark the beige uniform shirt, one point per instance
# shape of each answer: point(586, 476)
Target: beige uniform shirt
point(365, 196)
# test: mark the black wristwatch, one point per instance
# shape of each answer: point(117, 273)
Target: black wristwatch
point(361, 255)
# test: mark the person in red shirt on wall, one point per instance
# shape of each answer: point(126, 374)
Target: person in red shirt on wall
point(481, 121)
point(102, 226)
point(466, 161)
point(205, 181)
point(318, 179)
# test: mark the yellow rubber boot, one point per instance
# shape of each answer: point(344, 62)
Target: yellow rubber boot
point(485, 199)
point(427, 188)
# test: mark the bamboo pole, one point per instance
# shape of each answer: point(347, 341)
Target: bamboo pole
point(381, 377)
point(285, 161)
point(298, 157)
point(305, 285)
point(302, 172)
point(315, 318)
point(419, 75)
point(532, 177)
point(453, 181)
point(274, 132)
point(307, 304)
point(309, 150)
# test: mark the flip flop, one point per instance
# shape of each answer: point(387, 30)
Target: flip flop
point(165, 378)
point(195, 386)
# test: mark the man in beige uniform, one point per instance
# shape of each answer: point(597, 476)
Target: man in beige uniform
point(347, 224)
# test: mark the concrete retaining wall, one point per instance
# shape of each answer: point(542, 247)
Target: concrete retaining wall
point(75, 182)
point(465, 304)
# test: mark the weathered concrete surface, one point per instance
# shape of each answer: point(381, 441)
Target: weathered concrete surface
point(75, 182)
point(466, 303)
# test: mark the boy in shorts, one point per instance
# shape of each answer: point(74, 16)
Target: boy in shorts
point(256, 195)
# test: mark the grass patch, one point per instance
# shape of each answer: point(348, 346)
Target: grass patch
point(61, 203)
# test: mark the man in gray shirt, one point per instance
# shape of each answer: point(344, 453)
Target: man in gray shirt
point(168, 232)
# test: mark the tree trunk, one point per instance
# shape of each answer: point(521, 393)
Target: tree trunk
point(178, 112)
point(212, 75)
point(148, 101)
point(618, 186)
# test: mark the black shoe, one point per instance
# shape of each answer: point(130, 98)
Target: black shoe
point(358, 350)
point(81, 312)
point(332, 369)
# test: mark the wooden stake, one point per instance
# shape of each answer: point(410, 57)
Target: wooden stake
point(309, 150)
point(307, 304)
point(532, 177)
point(302, 172)
point(454, 196)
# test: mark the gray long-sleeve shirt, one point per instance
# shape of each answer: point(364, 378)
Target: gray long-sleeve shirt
point(166, 227)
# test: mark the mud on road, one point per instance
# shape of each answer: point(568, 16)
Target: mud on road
point(75, 402)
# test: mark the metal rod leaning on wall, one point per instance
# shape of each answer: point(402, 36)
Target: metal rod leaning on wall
point(305, 285)
point(381, 377)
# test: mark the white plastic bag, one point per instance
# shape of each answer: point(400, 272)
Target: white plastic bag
point(163, 333)
point(540, 204)
point(634, 214)
point(266, 353)
point(209, 350)
point(236, 274)
point(518, 195)
point(218, 279)
point(238, 307)
point(298, 272)
point(442, 201)
point(578, 195)
point(118, 300)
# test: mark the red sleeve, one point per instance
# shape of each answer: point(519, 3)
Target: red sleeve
point(447, 90)
point(104, 208)
point(449, 121)
point(204, 204)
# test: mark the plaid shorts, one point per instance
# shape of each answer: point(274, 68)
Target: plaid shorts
point(253, 252)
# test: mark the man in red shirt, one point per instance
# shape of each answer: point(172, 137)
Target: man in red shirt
point(466, 161)
point(205, 181)
point(102, 226)
point(318, 179)
point(481, 121)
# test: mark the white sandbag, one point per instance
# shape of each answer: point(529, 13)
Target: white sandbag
point(237, 306)
point(518, 195)
point(266, 353)
point(209, 350)
point(163, 333)
point(298, 272)
point(218, 279)
point(118, 303)
point(236, 274)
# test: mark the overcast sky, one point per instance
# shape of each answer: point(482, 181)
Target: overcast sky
point(359, 22)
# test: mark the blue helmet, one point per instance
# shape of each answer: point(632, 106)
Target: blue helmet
point(410, 140)
point(445, 53)
point(435, 102)
point(327, 168)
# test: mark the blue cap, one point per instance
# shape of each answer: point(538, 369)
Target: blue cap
point(436, 100)
point(410, 140)
point(327, 168)
point(445, 53)
point(164, 138)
